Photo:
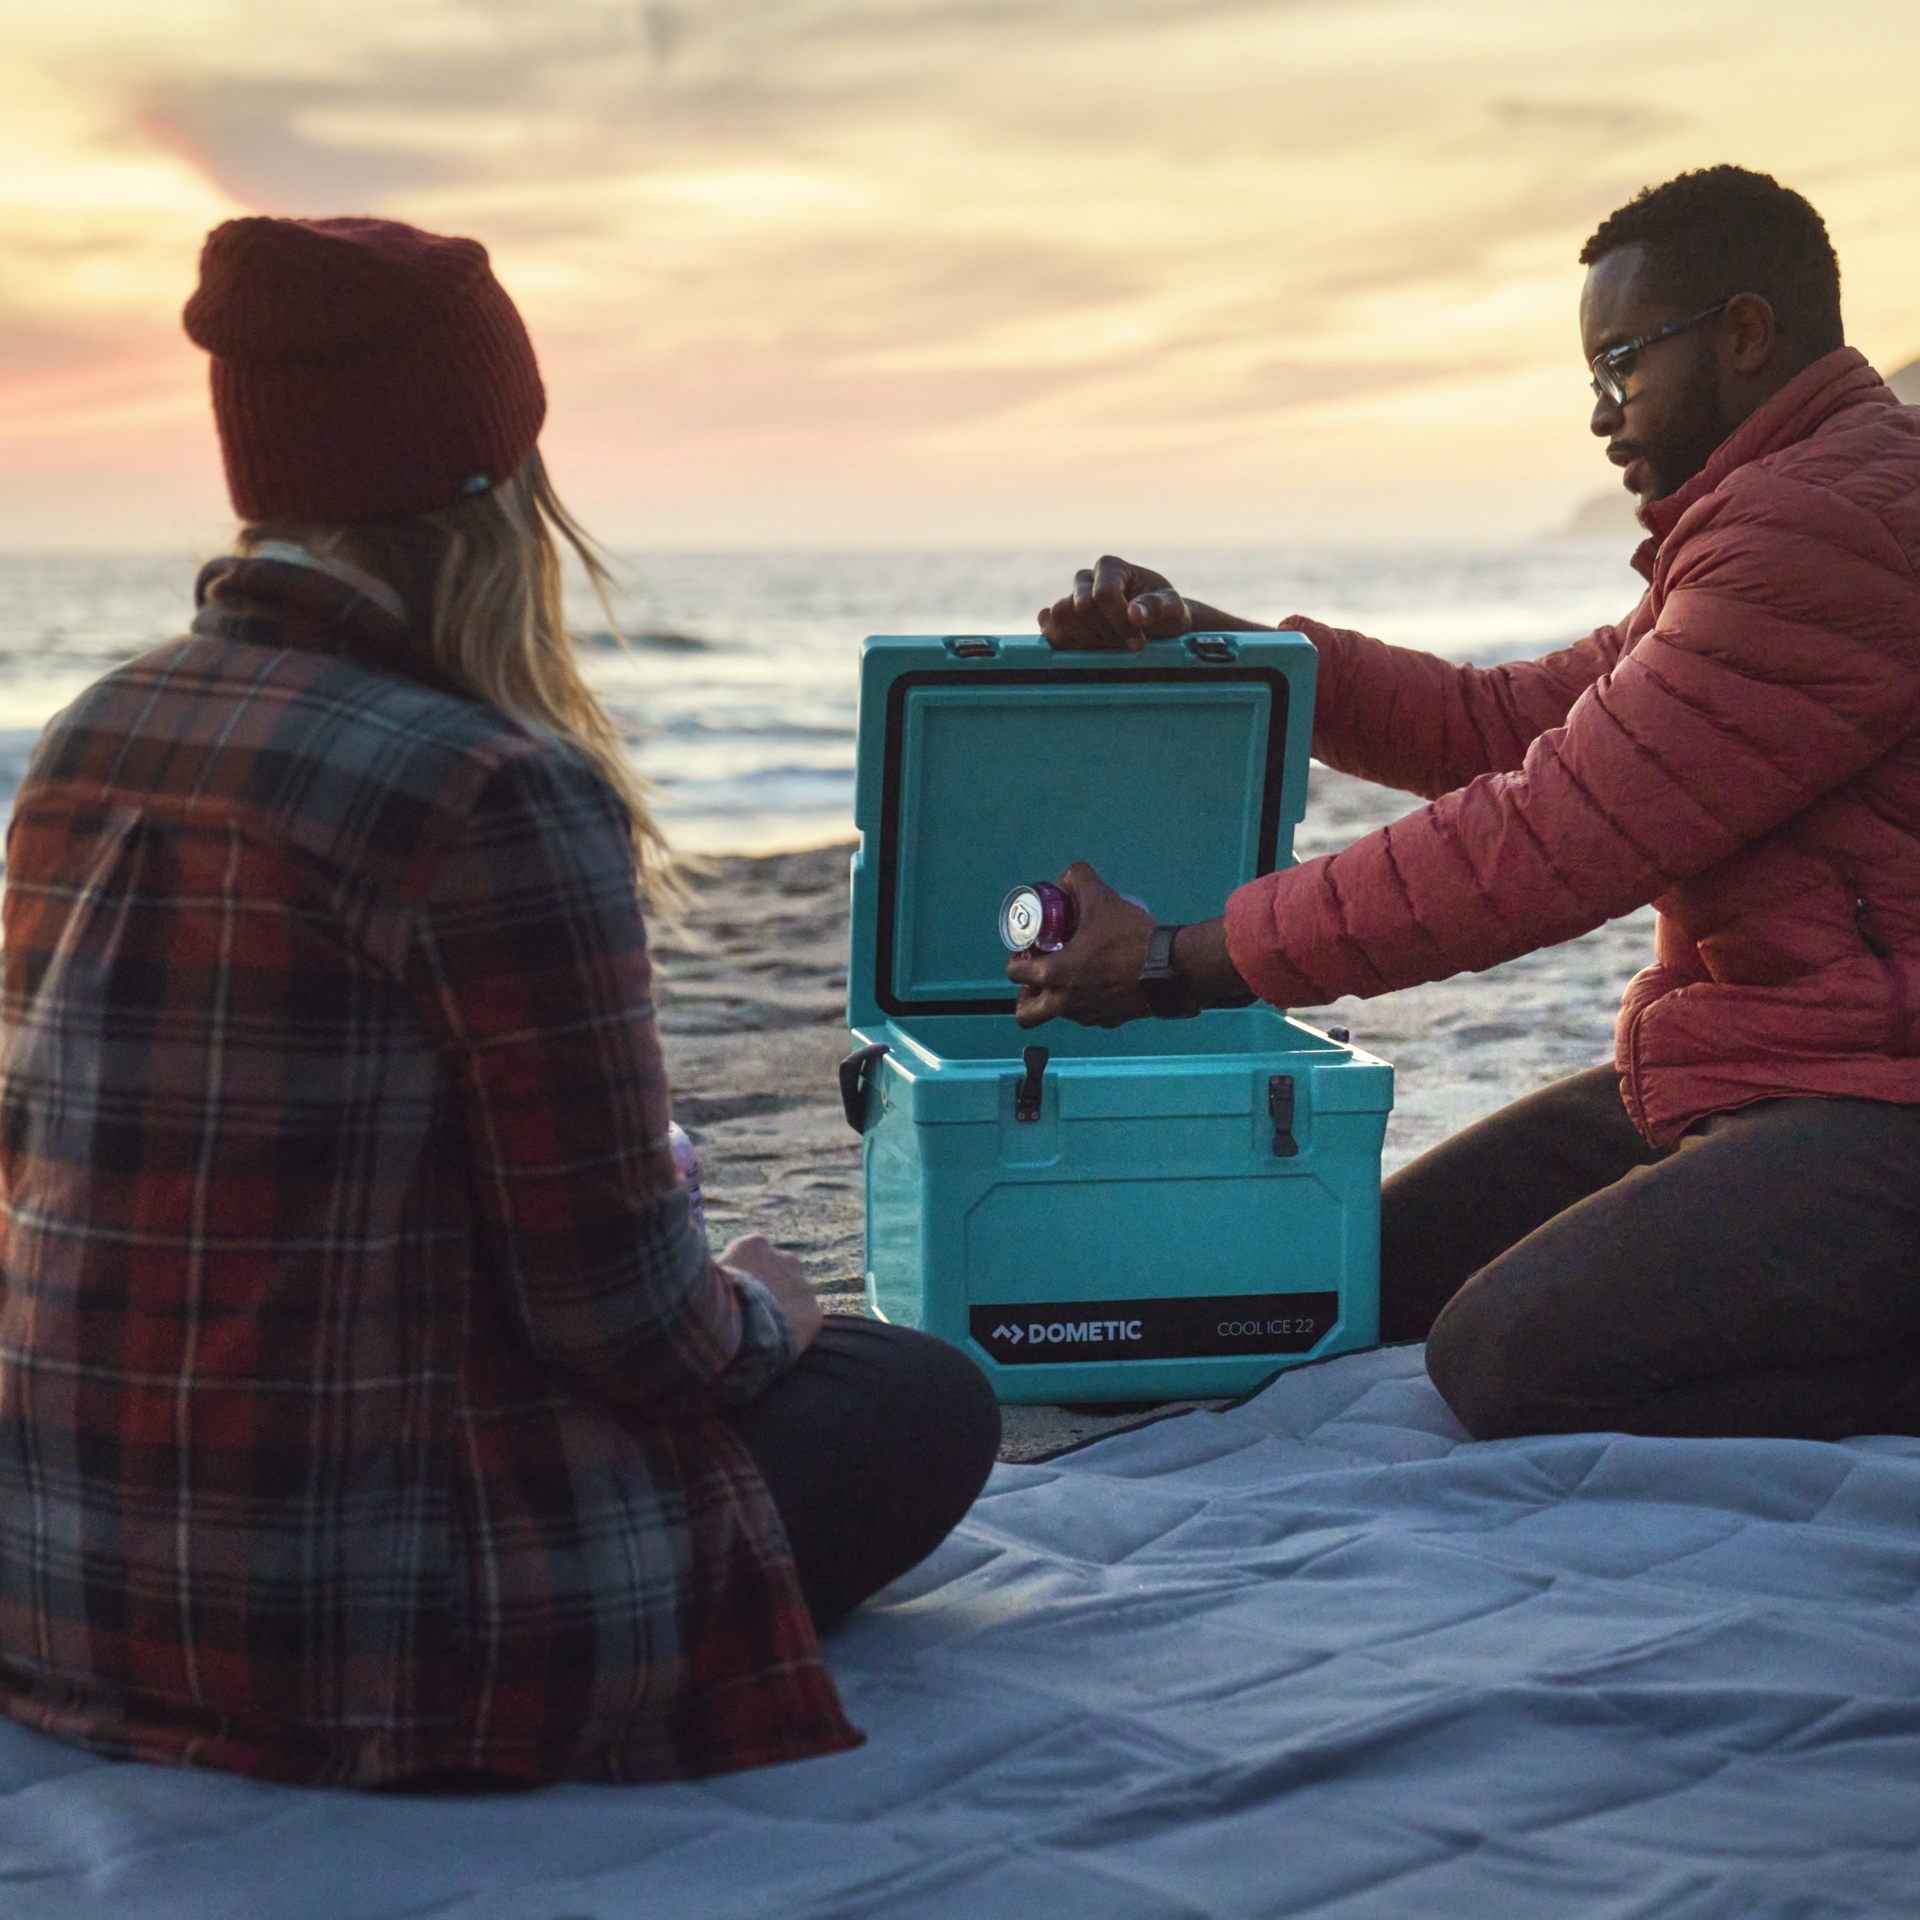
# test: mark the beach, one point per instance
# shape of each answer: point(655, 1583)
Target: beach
point(752, 1004)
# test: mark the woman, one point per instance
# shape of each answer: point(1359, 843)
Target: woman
point(370, 1411)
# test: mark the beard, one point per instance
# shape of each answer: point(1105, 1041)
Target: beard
point(1687, 438)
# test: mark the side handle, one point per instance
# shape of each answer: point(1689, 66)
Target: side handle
point(853, 1083)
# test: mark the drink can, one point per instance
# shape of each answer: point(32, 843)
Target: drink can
point(1038, 917)
point(688, 1162)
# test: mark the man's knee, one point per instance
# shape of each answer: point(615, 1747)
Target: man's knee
point(1472, 1359)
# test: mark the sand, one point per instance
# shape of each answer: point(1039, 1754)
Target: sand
point(753, 1003)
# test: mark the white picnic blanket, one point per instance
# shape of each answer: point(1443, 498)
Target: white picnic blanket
point(1314, 1656)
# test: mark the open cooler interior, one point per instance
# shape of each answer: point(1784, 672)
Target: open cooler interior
point(1175, 778)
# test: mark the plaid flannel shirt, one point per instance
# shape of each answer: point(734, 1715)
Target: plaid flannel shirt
point(359, 1365)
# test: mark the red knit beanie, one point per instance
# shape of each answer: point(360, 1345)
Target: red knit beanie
point(361, 368)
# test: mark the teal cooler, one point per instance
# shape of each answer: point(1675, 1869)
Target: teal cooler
point(1171, 1208)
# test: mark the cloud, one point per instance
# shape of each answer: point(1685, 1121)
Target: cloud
point(1583, 119)
point(253, 143)
point(948, 244)
point(71, 393)
point(494, 91)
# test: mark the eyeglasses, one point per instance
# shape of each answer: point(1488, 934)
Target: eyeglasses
point(1611, 367)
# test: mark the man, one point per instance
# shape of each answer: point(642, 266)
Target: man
point(1719, 1234)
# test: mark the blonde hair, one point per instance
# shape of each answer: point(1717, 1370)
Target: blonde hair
point(486, 575)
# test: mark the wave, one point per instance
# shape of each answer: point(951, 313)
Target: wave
point(653, 639)
point(642, 727)
point(765, 790)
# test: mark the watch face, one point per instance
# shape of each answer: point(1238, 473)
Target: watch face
point(1166, 998)
point(1159, 953)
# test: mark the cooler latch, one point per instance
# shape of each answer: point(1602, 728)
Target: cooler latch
point(1280, 1111)
point(1210, 650)
point(853, 1083)
point(1026, 1096)
point(973, 646)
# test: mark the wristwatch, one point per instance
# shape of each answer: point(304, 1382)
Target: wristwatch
point(1166, 997)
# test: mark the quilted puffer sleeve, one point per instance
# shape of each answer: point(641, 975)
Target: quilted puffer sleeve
point(1425, 725)
point(1786, 658)
point(532, 968)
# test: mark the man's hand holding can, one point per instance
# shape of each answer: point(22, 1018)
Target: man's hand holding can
point(1094, 979)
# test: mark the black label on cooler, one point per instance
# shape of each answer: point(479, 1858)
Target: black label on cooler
point(1051, 1331)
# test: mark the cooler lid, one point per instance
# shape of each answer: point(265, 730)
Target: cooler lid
point(1179, 772)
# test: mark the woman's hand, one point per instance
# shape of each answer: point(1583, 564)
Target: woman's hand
point(754, 1255)
point(1094, 980)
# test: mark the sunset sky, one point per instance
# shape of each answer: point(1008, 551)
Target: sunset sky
point(934, 272)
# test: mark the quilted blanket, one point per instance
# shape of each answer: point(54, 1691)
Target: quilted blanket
point(1318, 1655)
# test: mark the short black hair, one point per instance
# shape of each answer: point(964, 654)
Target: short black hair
point(1723, 230)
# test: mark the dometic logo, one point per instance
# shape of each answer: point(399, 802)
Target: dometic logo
point(1061, 1332)
point(1087, 1332)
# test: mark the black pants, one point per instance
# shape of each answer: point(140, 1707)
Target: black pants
point(873, 1447)
point(1763, 1277)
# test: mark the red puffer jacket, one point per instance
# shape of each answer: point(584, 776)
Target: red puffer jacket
point(1744, 753)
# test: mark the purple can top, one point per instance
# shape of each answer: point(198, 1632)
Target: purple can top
point(688, 1161)
point(1038, 917)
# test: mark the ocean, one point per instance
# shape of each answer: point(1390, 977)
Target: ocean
point(737, 689)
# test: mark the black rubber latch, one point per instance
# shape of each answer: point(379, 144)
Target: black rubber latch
point(853, 1083)
point(1026, 1096)
point(1212, 650)
point(1280, 1110)
point(972, 646)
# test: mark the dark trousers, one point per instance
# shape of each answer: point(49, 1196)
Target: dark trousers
point(1762, 1277)
point(873, 1447)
